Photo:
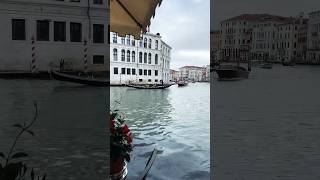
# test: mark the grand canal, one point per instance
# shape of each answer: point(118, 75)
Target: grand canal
point(70, 134)
point(267, 126)
point(176, 121)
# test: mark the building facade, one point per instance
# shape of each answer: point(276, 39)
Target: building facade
point(40, 33)
point(145, 61)
point(314, 38)
point(174, 75)
point(192, 73)
point(265, 37)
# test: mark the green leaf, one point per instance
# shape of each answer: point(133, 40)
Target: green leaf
point(19, 155)
point(2, 155)
point(30, 132)
point(18, 125)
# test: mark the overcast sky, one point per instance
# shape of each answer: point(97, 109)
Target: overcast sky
point(185, 26)
point(223, 9)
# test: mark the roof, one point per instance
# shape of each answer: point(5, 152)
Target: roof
point(259, 17)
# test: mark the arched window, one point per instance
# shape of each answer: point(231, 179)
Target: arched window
point(123, 54)
point(140, 57)
point(140, 43)
point(128, 56)
point(133, 56)
point(156, 59)
point(149, 58)
point(145, 58)
point(122, 40)
point(150, 43)
point(145, 43)
point(115, 54)
point(156, 44)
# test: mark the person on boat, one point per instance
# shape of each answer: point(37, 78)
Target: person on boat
point(61, 65)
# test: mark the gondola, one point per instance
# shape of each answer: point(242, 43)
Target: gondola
point(77, 79)
point(182, 83)
point(154, 86)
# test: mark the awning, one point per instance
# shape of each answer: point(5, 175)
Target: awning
point(131, 16)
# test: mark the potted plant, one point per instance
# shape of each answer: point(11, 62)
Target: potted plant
point(120, 142)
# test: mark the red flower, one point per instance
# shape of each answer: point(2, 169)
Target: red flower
point(125, 129)
point(112, 126)
point(129, 137)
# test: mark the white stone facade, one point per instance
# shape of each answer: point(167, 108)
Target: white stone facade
point(59, 28)
point(145, 61)
point(314, 37)
point(192, 73)
point(264, 37)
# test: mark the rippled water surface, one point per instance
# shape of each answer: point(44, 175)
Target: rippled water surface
point(267, 127)
point(176, 121)
point(70, 139)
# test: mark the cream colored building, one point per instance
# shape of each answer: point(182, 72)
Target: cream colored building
point(59, 28)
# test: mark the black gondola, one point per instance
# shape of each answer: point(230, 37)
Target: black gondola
point(77, 79)
point(145, 86)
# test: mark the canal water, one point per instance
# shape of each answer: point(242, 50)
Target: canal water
point(267, 127)
point(176, 121)
point(70, 134)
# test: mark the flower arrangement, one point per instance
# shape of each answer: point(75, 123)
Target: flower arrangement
point(120, 138)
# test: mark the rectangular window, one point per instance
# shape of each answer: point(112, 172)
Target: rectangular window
point(59, 31)
point(98, 33)
point(149, 80)
point(18, 29)
point(97, 1)
point(156, 72)
point(123, 70)
point(140, 80)
point(75, 32)
point(98, 59)
point(140, 72)
point(128, 71)
point(115, 70)
point(43, 30)
point(133, 71)
point(156, 80)
point(145, 72)
point(149, 72)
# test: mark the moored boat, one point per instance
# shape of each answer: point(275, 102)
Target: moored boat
point(182, 83)
point(77, 79)
point(230, 72)
point(149, 86)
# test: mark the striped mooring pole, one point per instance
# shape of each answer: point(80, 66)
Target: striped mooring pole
point(33, 60)
point(85, 56)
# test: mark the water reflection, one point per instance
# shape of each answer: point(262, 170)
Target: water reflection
point(175, 121)
point(70, 135)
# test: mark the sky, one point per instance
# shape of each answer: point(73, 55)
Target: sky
point(223, 9)
point(185, 26)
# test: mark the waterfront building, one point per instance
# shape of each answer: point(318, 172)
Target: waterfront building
point(314, 37)
point(60, 29)
point(290, 42)
point(145, 61)
point(192, 73)
point(264, 36)
point(215, 40)
point(174, 75)
point(236, 37)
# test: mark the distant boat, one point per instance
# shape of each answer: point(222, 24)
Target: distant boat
point(150, 86)
point(77, 79)
point(266, 66)
point(182, 83)
point(232, 72)
point(287, 63)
